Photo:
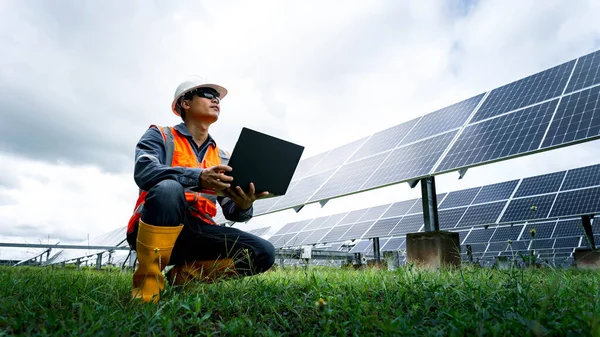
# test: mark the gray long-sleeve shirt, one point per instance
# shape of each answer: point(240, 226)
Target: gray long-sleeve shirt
point(150, 168)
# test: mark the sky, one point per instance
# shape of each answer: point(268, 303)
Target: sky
point(80, 82)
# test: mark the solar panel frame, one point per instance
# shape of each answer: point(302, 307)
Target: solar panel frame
point(541, 184)
point(527, 91)
point(499, 138)
point(581, 177)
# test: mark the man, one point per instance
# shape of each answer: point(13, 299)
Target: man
point(181, 175)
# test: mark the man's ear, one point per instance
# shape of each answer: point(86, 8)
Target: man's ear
point(185, 104)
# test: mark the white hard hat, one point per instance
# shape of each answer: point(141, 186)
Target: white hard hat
point(192, 84)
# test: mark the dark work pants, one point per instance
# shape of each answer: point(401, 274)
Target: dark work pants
point(166, 206)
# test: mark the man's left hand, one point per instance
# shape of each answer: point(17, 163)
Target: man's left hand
point(244, 200)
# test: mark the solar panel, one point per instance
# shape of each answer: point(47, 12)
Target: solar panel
point(499, 138)
point(418, 205)
point(353, 216)
point(300, 192)
point(482, 214)
point(300, 237)
point(357, 230)
point(497, 246)
point(443, 120)
point(529, 90)
point(408, 224)
point(335, 233)
point(476, 247)
point(542, 244)
point(460, 198)
point(286, 228)
point(517, 246)
point(306, 165)
point(373, 213)
point(337, 156)
point(568, 228)
point(506, 233)
point(577, 118)
point(567, 242)
point(495, 192)
point(392, 244)
point(586, 73)
point(448, 218)
point(348, 178)
point(541, 184)
point(582, 177)
point(382, 228)
point(411, 161)
point(317, 223)
point(361, 246)
point(479, 235)
point(399, 208)
point(315, 236)
point(577, 202)
point(462, 235)
point(543, 230)
point(521, 209)
point(384, 140)
point(334, 219)
point(262, 206)
point(259, 231)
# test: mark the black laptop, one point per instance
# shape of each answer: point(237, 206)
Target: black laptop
point(264, 160)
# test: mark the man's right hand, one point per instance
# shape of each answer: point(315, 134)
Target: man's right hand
point(214, 178)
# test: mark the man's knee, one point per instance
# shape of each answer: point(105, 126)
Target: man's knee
point(167, 189)
point(165, 204)
point(264, 256)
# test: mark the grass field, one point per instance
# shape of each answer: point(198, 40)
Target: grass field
point(468, 301)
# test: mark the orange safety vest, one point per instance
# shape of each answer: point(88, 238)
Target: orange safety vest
point(179, 152)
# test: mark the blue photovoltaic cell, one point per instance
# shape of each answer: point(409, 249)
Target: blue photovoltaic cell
point(506, 233)
point(529, 90)
point(543, 230)
point(353, 216)
point(399, 208)
point(568, 228)
point(392, 244)
point(384, 140)
point(348, 178)
point(515, 133)
point(382, 228)
point(497, 246)
point(479, 236)
point(357, 230)
point(587, 72)
point(459, 198)
point(495, 192)
point(582, 177)
point(542, 244)
point(409, 224)
point(520, 209)
point(374, 212)
point(577, 118)
point(335, 234)
point(442, 120)
point(299, 193)
point(567, 243)
point(577, 202)
point(475, 248)
point(483, 214)
point(411, 161)
point(461, 235)
point(542, 184)
point(360, 246)
point(337, 157)
point(448, 218)
point(306, 165)
point(519, 245)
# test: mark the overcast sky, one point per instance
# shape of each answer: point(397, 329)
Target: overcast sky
point(80, 81)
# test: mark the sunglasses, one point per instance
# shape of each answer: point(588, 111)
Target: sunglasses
point(206, 94)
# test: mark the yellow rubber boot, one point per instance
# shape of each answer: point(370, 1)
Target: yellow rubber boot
point(206, 271)
point(154, 246)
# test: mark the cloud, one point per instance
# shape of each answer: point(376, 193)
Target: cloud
point(80, 82)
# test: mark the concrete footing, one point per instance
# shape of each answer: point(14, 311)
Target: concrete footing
point(433, 249)
point(587, 258)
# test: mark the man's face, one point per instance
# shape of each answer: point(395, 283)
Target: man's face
point(203, 105)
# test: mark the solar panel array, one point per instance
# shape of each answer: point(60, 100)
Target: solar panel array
point(560, 198)
point(555, 107)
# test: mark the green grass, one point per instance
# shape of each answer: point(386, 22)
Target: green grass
point(467, 301)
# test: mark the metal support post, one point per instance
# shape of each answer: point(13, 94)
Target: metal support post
point(376, 253)
point(429, 199)
point(99, 261)
point(587, 227)
point(78, 263)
